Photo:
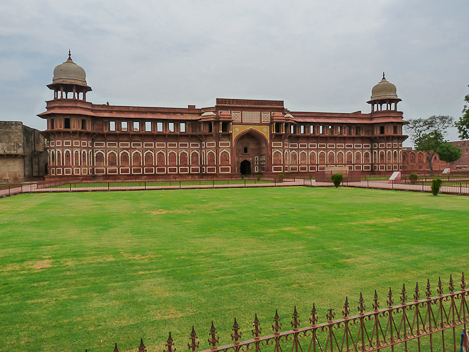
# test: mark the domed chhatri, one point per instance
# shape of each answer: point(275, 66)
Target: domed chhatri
point(69, 78)
point(69, 72)
point(384, 96)
point(383, 90)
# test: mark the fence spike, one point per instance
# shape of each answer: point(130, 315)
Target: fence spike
point(141, 348)
point(375, 301)
point(361, 307)
point(451, 284)
point(194, 344)
point(314, 316)
point(257, 330)
point(463, 282)
point(115, 348)
point(295, 323)
point(403, 294)
point(390, 300)
point(440, 287)
point(330, 315)
point(346, 310)
point(417, 292)
point(170, 344)
point(429, 291)
point(277, 326)
point(214, 340)
point(237, 334)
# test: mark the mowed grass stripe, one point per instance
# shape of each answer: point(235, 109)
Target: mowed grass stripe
point(87, 270)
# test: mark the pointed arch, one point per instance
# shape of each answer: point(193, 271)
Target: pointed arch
point(224, 157)
point(211, 158)
point(125, 158)
point(99, 158)
point(340, 157)
point(312, 158)
point(277, 158)
point(172, 158)
point(195, 158)
point(303, 156)
point(358, 157)
point(183, 158)
point(161, 158)
point(112, 158)
point(330, 158)
point(149, 158)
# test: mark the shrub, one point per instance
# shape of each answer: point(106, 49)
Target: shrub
point(337, 179)
point(258, 177)
point(413, 178)
point(281, 176)
point(242, 176)
point(436, 185)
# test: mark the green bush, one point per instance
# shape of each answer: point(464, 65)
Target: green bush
point(337, 179)
point(242, 176)
point(258, 177)
point(281, 176)
point(413, 178)
point(436, 185)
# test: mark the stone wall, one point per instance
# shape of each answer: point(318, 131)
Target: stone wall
point(22, 152)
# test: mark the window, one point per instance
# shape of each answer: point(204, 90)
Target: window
point(112, 126)
point(124, 125)
point(331, 130)
point(302, 129)
point(224, 126)
point(182, 127)
point(210, 127)
point(67, 123)
point(278, 127)
point(245, 150)
point(339, 129)
point(381, 129)
point(292, 129)
point(321, 130)
point(311, 129)
point(171, 127)
point(357, 131)
point(147, 126)
point(159, 127)
point(136, 126)
point(395, 130)
point(51, 124)
point(83, 124)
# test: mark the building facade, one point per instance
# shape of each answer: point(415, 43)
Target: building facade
point(235, 136)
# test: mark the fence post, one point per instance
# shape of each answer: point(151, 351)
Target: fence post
point(180, 184)
point(70, 189)
point(460, 188)
point(367, 183)
point(244, 183)
point(422, 183)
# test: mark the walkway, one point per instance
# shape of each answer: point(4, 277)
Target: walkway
point(32, 187)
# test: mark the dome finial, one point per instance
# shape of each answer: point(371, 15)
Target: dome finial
point(69, 54)
point(384, 76)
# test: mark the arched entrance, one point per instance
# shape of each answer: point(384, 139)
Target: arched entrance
point(251, 149)
point(245, 167)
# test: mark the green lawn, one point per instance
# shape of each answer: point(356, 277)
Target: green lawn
point(85, 270)
point(157, 183)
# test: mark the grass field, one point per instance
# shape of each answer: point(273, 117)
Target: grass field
point(85, 270)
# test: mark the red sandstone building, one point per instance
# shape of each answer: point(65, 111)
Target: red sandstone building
point(236, 136)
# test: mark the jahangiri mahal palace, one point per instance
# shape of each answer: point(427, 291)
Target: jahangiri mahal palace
point(236, 136)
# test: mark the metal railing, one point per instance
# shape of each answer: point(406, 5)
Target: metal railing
point(417, 323)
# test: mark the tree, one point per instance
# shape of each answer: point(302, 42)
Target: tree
point(449, 153)
point(428, 134)
point(463, 123)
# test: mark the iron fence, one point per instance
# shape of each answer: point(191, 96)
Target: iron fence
point(419, 322)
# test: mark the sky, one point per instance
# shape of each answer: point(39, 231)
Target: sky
point(315, 55)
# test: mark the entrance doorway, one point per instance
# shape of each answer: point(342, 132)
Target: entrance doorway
point(245, 167)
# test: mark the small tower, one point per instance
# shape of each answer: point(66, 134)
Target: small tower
point(383, 96)
point(69, 78)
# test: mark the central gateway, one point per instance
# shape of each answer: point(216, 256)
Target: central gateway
point(250, 153)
